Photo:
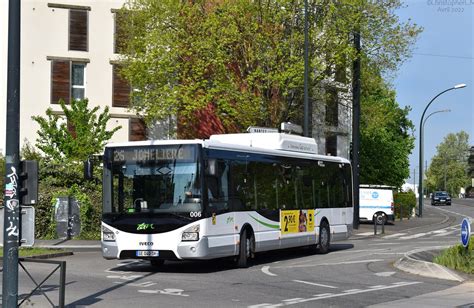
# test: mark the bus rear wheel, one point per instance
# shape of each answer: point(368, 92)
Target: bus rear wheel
point(324, 238)
point(245, 249)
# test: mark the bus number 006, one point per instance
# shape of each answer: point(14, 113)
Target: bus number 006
point(195, 214)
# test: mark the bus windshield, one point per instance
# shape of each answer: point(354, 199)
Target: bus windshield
point(155, 179)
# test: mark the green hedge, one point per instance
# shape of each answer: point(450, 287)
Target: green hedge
point(405, 202)
point(61, 180)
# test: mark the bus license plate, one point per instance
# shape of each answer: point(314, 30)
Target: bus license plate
point(148, 253)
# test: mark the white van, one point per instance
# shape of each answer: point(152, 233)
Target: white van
point(376, 201)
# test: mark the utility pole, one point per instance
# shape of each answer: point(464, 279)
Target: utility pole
point(11, 223)
point(355, 126)
point(306, 71)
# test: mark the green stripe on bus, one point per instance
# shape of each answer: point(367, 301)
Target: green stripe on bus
point(265, 224)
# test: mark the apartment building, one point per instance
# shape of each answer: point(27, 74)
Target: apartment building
point(68, 51)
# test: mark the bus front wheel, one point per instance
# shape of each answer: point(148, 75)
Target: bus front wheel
point(245, 246)
point(324, 237)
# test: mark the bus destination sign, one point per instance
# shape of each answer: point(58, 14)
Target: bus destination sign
point(143, 154)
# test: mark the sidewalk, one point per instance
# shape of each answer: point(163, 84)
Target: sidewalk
point(70, 245)
point(458, 296)
point(430, 217)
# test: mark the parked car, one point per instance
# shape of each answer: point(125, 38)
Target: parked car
point(440, 197)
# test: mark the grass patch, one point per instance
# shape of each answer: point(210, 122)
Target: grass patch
point(458, 258)
point(34, 251)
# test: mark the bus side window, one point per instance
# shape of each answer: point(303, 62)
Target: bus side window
point(238, 185)
point(218, 187)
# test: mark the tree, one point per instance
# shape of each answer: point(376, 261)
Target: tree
point(80, 133)
point(66, 140)
point(448, 168)
point(386, 134)
point(239, 62)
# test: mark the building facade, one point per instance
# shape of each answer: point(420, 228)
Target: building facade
point(68, 52)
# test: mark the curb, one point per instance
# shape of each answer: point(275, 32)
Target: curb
point(76, 248)
point(411, 263)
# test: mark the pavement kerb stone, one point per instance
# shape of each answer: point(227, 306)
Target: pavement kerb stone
point(409, 263)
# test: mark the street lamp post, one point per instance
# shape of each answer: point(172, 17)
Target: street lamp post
point(420, 185)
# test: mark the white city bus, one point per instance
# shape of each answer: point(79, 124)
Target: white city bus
point(232, 195)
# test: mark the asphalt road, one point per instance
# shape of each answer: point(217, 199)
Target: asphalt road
point(358, 272)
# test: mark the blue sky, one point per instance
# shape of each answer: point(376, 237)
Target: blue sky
point(443, 57)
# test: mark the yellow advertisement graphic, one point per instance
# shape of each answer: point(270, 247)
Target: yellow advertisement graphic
point(296, 221)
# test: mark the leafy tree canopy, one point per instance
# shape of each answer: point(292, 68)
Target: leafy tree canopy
point(240, 62)
point(76, 135)
point(448, 168)
point(386, 134)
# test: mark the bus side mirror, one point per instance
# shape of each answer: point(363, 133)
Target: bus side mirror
point(88, 169)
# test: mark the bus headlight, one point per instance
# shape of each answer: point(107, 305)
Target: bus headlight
point(191, 234)
point(107, 234)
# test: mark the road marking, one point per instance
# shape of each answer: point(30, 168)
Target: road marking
point(344, 293)
point(315, 284)
point(352, 291)
point(394, 235)
point(145, 284)
point(175, 292)
point(266, 270)
point(410, 237)
point(323, 294)
point(364, 234)
point(327, 264)
point(462, 215)
point(446, 233)
point(384, 274)
point(357, 251)
point(292, 299)
point(377, 287)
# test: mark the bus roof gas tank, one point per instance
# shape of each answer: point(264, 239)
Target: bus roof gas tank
point(271, 141)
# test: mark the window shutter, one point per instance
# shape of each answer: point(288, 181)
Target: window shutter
point(137, 130)
point(60, 83)
point(121, 89)
point(78, 30)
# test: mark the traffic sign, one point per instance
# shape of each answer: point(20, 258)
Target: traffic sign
point(465, 231)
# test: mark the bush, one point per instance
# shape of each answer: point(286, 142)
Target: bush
point(458, 258)
point(66, 179)
point(405, 202)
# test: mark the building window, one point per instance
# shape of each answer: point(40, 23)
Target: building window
point(78, 85)
point(331, 144)
point(332, 110)
point(137, 130)
point(67, 80)
point(119, 41)
point(78, 30)
point(120, 89)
